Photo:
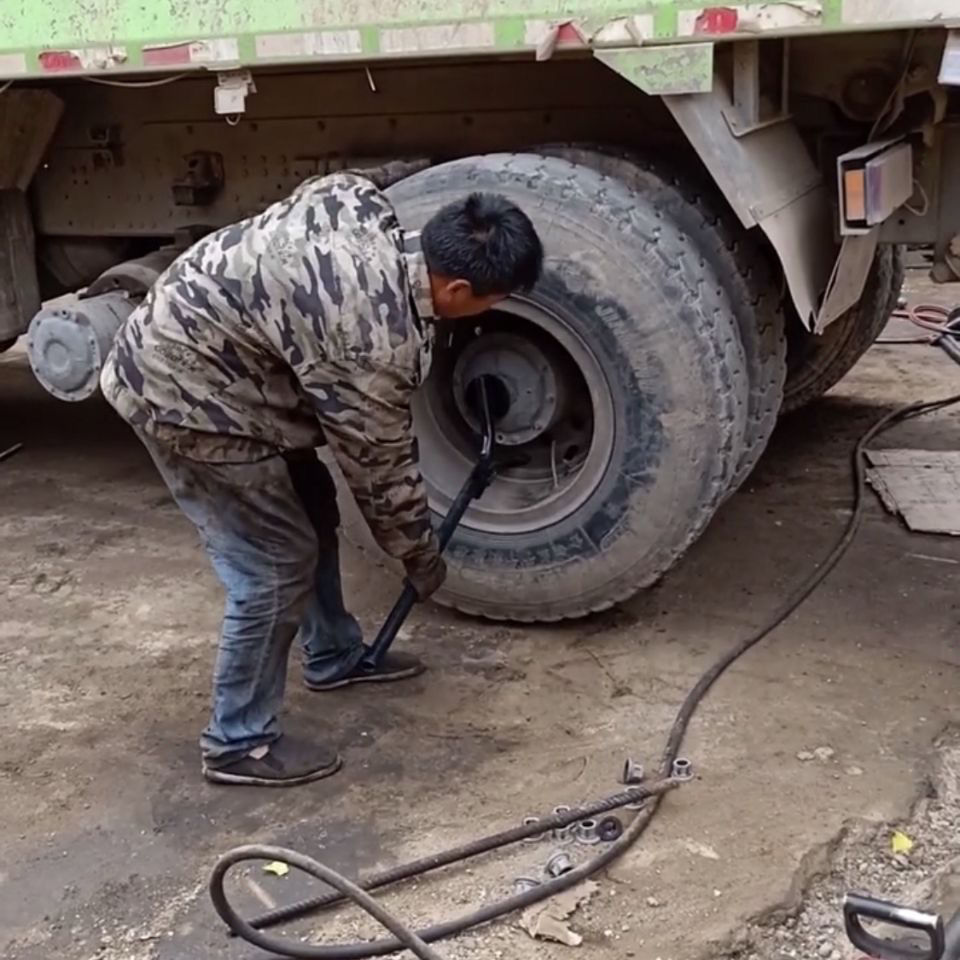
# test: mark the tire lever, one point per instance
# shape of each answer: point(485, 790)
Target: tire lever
point(478, 480)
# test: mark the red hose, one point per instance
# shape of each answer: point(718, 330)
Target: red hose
point(927, 316)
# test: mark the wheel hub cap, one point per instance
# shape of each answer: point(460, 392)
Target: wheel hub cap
point(526, 373)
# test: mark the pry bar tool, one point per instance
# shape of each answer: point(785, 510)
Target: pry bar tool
point(928, 925)
point(10, 451)
point(489, 400)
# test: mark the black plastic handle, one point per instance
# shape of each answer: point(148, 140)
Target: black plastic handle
point(856, 907)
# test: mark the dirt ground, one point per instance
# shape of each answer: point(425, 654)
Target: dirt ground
point(108, 619)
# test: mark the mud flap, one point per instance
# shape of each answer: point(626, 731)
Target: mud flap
point(28, 119)
point(19, 290)
point(770, 181)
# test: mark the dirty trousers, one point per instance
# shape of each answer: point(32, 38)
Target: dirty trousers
point(270, 529)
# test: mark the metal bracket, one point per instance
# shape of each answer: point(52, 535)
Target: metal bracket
point(230, 94)
point(758, 103)
point(660, 71)
point(770, 179)
point(202, 180)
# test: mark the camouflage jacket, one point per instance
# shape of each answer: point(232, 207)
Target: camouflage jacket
point(302, 325)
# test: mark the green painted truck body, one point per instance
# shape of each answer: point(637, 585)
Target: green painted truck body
point(108, 37)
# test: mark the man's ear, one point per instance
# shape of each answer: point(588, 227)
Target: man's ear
point(460, 289)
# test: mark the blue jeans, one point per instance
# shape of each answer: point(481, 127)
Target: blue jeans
point(270, 528)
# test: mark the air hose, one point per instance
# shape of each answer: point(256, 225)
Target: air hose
point(943, 324)
point(347, 888)
point(249, 930)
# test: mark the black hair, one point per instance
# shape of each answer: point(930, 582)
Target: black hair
point(486, 240)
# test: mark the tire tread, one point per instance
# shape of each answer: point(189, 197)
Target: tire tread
point(707, 307)
point(754, 289)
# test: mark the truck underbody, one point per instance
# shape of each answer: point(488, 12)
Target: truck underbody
point(697, 284)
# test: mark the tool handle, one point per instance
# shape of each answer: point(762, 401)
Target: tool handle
point(476, 483)
point(388, 632)
point(10, 451)
point(856, 907)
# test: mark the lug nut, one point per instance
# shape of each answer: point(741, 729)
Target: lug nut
point(558, 864)
point(586, 832)
point(609, 829)
point(537, 837)
point(561, 834)
point(632, 773)
point(523, 884)
point(682, 769)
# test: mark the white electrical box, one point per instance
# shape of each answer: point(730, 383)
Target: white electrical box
point(231, 91)
point(873, 181)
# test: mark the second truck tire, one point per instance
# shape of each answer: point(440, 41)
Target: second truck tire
point(817, 363)
point(696, 206)
point(627, 361)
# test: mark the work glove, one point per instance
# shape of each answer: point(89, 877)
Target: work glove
point(426, 574)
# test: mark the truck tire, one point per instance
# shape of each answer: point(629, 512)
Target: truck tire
point(628, 387)
point(695, 206)
point(817, 363)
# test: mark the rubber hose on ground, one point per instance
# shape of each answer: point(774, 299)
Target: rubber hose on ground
point(347, 887)
point(416, 868)
point(357, 951)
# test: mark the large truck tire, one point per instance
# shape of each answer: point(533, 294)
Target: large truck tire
point(628, 391)
point(696, 207)
point(817, 363)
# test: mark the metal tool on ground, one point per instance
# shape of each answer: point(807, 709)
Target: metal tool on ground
point(927, 940)
point(565, 833)
point(523, 884)
point(10, 451)
point(489, 400)
point(529, 821)
point(558, 864)
point(610, 829)
point(682, 769)
point(632, 772)
point(251, 930)
point(585, 831)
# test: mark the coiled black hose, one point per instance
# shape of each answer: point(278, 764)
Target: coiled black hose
point(347, 888)
point(472, 849)
point(356, 951)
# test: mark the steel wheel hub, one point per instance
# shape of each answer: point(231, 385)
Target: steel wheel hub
point(557, 436)
point(525, 372)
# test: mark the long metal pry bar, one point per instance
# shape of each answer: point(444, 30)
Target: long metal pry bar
point(478, 481)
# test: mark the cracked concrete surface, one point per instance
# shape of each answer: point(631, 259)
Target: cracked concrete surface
point(860, 858)
point(109, 617)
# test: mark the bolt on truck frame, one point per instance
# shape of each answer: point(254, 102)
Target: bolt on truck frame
point(723, 191)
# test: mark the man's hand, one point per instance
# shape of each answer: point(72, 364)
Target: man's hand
point(426, 574)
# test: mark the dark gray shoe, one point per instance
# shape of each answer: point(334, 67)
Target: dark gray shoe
point(394, 666)
point(284, 763)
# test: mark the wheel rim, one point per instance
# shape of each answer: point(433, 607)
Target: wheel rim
point(561, 421)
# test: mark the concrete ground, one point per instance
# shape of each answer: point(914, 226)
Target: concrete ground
point(108, 619)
